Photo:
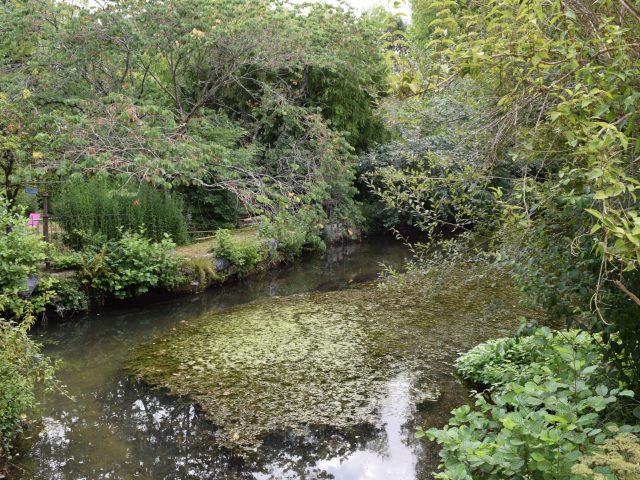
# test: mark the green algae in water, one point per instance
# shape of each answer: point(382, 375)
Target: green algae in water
point(324, 359)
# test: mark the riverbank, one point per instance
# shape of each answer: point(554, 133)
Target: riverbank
point(85, 283)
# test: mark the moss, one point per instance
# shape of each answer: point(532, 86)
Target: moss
point(322, 359)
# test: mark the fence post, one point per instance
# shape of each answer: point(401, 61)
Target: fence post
point(45, 227)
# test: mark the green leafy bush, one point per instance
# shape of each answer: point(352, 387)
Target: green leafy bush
point(22, 369)
point(290, 238)
point(22, 253)
point(101, 206)
point(500, 361)
point(294, 233)
point(243, 254)
point(69, 297)
point(539, 420)
point(65, 260)
point(291, 242)
point(129, 266)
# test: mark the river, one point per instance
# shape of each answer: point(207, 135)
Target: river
point(113, 425)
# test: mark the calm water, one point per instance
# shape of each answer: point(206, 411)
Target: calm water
point(115, 427)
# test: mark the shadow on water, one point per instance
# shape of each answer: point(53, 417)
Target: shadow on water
point(117, 427)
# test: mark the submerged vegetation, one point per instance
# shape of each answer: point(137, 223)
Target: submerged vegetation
point(323, 359)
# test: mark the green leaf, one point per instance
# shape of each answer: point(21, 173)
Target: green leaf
point(595, 173)
point(600, 195)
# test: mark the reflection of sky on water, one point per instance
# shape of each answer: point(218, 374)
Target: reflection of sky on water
point(385, 456)
point(396, 459)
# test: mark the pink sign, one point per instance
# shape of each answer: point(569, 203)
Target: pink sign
point(34, 220)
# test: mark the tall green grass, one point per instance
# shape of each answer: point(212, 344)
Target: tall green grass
point(100, 206)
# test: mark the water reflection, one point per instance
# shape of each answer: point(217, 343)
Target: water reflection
point(390, 455)
point(142, 434)
point(119, 428)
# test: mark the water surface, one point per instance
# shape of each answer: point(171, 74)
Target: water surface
point(118, 427)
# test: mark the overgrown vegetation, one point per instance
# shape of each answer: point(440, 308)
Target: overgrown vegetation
point(262, 113)
point(519, 141)
point(128, 267)
point(101, 207)
point(529, 115)
point(553, 406)
point(22, 369)
point(244, 254)
point(21, 255)
point(22, 366)
point(501, 129)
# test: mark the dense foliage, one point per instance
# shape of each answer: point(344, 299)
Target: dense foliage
point(22, 251)
point(552, 406)
point(145, 119)
point(498, 362)
point(519, 133)
point(209, 210)
point(244, 254)
point(129, 266)
point(519, 127)
point(264, 100)
point(101, 207)
point(22, 369)
point(505, 128)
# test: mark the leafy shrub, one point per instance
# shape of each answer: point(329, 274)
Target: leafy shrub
point(69, 297)
point(21, 250)
point(129, 266)
point(294, 234)
point(539, 422)
point(65, 260)
point(290, 239)
point(22, 368)
point(104, 207)
point(497, 362)
point(22, 253)
point(244, 254)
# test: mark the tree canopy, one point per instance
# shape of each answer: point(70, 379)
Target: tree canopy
point(268, 100)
